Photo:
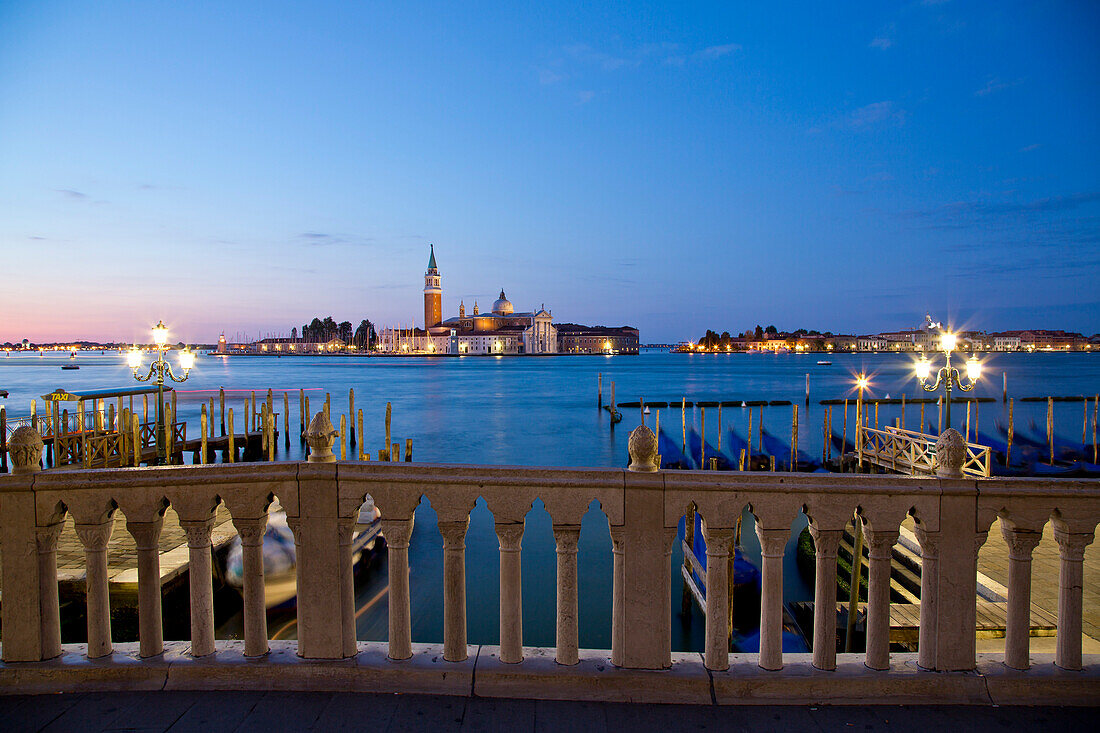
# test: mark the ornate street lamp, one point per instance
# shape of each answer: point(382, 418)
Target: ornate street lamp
point(862, 382)
point(161, 368)
point(948, 375)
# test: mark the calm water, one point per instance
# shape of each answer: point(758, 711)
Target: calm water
point(542, 411)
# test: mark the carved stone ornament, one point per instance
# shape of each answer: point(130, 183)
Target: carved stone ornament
point(25, 447)
point(319, 436)
point(950, 454)
point(643, 450)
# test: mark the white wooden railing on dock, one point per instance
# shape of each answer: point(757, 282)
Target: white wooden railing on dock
point(322, 498)
point(913, 452)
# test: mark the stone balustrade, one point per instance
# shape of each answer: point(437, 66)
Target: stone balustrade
point(643, 506)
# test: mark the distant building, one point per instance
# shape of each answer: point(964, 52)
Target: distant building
point(577, 339)
point(503, 330)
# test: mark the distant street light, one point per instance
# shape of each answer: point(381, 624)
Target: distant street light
point(948, 375)
point(160, 368)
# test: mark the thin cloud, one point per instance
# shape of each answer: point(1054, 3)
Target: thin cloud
point(584, 97)
point(546, 76)
point(72, 194)
point(717, 52)
point(882, 43)
point(324, 239)
point(1029, 148)
point(995, 85)
point(873, 115)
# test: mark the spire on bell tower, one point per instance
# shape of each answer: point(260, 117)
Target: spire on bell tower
point(461, 309)
point(433, 293)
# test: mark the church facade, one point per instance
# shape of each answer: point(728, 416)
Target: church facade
point(502, 330)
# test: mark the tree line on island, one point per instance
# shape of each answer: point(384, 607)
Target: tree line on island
point(325, 330)
point(712, 340)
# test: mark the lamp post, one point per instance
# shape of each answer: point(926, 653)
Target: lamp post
point(862, 382)
point(161, 368)
point(948, 375)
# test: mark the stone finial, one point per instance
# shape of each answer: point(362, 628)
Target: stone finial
point(319, 436)
point(642, 447)
point(25, 447)
point(950, 454)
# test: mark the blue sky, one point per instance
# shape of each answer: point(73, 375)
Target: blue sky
point(247, 166)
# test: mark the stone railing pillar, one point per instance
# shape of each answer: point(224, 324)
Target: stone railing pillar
point(773, 543)
point(200, 579)
point(826, 544)
point(346, 529)
point(22, 615)
point(454, 589)
point(150, 622)
point(567, 634)
point(717, 646)
point(49, 605)
point(1021, 543)
point(616, 595)
point(647, 606)
point(251, 531)
point(956, 576)
point(880, 544)
point(95, 537)
point(322, 594)
point(397, 533)
point(1071, 547)
point(510, 537)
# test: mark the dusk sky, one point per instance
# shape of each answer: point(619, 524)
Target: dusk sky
point(244, 167)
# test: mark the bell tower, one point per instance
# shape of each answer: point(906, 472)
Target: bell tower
point(433, 294)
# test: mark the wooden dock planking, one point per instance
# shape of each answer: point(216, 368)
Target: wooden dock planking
point(990, 619)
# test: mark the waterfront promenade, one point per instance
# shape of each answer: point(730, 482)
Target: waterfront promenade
point(274, 712)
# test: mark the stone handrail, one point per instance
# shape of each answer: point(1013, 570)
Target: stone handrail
point(322, 498)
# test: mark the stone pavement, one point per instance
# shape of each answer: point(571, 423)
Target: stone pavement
point(271, 712)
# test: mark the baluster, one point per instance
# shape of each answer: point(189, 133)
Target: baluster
point(826, 543)
point(454, 589)
point(95, 537)
point(719, 539)
point(46, 541)
point(1071, 546)
point(773, 542)
point(397, 533)
point(510, 537)
point(252, 575)
point(150, 622)
point(929, 602)
point(617, 594)
point(200, 580)
point(565, 540)
point(1021, 543)
point(880, 545)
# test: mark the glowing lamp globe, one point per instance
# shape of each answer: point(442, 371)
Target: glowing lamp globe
point(973, 369)
point(187, 359)
point(924, 369)
point(160, 334)
point(947, 342)
point(134, 358)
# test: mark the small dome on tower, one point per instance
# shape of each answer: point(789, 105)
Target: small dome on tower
point(502, 306)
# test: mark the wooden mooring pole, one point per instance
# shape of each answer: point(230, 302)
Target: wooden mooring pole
point(231, 436)
point(1050, 428)
point(703, 438)
point(286, 420)
point(1004, 387)
point(4, 439)
point(1011, 431)
point(389, 416)
point(683, 425)
point(794, 439)
point(202, 441)
point(599, 390)
point(749, 444)
point(351, 413)
point(359, 419)
point(221, 406)
point(302, 415)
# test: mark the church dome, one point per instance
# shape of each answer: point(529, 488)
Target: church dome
point(502, 306)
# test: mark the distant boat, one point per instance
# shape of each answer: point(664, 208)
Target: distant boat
point(824, 363)
point(72, 355)
point(69, 366)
